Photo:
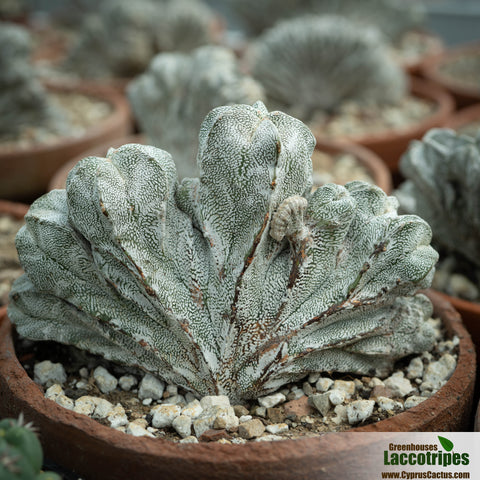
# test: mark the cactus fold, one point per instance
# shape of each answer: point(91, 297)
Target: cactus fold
point(232, 283)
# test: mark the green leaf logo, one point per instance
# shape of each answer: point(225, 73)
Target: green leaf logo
point(446, 443)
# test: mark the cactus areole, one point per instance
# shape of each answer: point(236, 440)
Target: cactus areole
point(233, 283)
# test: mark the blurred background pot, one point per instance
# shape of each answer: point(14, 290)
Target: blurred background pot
point(457, 70)
point(390, 144)
point(466, 120)
point(11, 220)
point(26, 171)
point(93, 450)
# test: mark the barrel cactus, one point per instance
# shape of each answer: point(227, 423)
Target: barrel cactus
point(173, 96)
point(24, 102)
point(233, 283)
point(442, 186)
point(21, 453)
point(312, 64)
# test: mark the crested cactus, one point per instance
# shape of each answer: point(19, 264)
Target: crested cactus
point(233, 283)
point(442, 186)
point(21, 453)
point(124, 36)
point(171, 99)
point(312, 64)
point(24, 102)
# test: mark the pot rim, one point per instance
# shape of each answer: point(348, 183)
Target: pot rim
point(421, 88)
point(371, 161)
point(376, 167)
point(118, 116)
point(15, 381)
point(431, 69)
point(464, 116)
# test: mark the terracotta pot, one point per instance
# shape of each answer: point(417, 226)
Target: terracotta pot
point(25, 173)
point(477, 419)
point(470, 313)
point(95, 451)
point(464, 117)
point(390, 145)
point(464, 95)
point(374, 165)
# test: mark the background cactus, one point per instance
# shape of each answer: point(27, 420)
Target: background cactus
point(233, 283)
point(316, 63)
point(21, 454)
point(24, 102)
point(171, 99)
point(442, 186)
point(123, 36)
point(393, 17)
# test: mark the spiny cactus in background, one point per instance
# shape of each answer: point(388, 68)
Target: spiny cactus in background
point(316, 63)
point(233, 283)
point(171, 99)
point(185, 25)
point(392, 17)
point(122, 38)
point(21, 455)
point(24, 102)
point(442, 186)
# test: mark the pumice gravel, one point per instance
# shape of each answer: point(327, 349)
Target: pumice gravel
point(140, 404)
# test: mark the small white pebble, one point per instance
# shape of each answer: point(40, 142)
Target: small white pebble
point(277, 428)
point(127, 382)
point(83, 372)
point(388, 404)
point(147, 401)
point(105, 381)
point(413, 401)
point(53, 391)
point(138, 431)
point(163, 415)
point(82, 385)
point(245, 418)
point(65, 401)
point(336, 397)
point(268, 438)
point(151, 387)
point(323, 384)
point(359, 411)
point(399, 385)
point(182, 425)
point(273, 400)
point(190, 439)
point(47, 373)
point(192, 409)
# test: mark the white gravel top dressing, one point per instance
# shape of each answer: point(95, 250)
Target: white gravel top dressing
point(142, 405)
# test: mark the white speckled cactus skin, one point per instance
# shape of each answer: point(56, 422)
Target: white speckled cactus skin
point(189, 281)
point(171, 99)
point(443, 187)
point(316, 63)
